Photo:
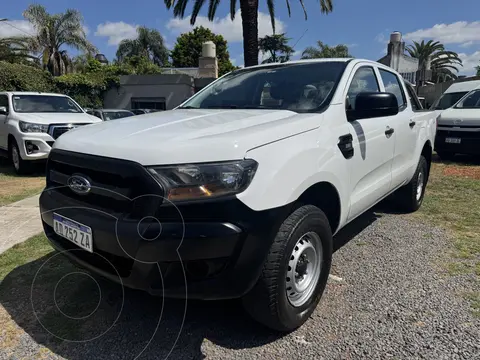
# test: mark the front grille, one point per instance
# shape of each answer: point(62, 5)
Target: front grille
point(58, 129)
point(115, 183)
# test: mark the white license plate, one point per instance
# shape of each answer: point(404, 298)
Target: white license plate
point(453, 140)
point(79, 234)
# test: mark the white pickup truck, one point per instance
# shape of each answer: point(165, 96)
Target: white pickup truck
point(30, 122)
point(237, 192)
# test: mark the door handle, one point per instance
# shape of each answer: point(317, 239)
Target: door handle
point(412, 123)
point(345, 144)
point(389, 131)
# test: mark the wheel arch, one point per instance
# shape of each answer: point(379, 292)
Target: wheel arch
point(427, 152)
point(325, 196)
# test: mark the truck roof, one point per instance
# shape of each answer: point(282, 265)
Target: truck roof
point(312, 61)
point(31, 93)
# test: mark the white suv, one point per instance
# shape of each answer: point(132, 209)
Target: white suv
point(30, 122)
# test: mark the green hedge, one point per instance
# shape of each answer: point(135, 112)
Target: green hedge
point(87, 89)
point(16, 77)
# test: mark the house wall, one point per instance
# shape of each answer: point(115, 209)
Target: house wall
point(171, 89)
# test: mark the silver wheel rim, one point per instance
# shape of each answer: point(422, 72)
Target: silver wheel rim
point(304, 268)
point(419, 185)
point(15, 158)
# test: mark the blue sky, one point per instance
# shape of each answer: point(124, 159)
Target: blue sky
point(363, 25)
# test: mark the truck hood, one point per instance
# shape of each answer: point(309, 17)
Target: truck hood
point(186, 136)
point(460, 117)
point(56, 118)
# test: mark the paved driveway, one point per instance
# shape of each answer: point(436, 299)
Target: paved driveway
point(394, 302)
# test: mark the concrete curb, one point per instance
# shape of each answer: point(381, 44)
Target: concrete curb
point(19, 221)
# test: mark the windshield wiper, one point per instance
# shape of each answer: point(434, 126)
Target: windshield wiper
point(223, 107)
point(188, 107)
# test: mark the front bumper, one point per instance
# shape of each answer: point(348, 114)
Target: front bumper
point(42, 143)
point(221, 244)
point(469, 140)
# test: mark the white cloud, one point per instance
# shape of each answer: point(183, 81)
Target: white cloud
point(460, 32)
point(230, 30)
point(352, 45)
point(467, 44)
point(116, 31)
point(381, 38)
point(470, 61)
point(12, 28)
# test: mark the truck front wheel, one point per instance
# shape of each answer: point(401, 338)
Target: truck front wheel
point(295, 272)
point(21, 166)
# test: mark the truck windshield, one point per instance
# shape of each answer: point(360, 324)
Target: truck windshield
point(44, 104)
point(471, 101)
point(298, 87)
point(448, 100)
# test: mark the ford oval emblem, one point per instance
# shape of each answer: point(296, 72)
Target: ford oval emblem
point(79, 184)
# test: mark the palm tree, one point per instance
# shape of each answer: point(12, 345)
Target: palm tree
point(17, 49)
point(325, 51)
point(443, 63)
point(274, 44)
point(55, 31)
point(149, 44)
point(249, 13)
point(478, 70)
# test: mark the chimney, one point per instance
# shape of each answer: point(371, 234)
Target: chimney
point(208, 64)
point(396, 49)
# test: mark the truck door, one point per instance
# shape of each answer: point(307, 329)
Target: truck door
point(3, 123)
point(406, 127)
point(373, 142)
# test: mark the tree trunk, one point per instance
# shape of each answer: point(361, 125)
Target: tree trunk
point(249, 12)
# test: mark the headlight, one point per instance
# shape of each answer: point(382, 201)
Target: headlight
point(200, 181)
point(27, 127)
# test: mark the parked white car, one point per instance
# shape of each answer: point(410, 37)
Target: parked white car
point(453, 94)
point(30, 122)
point(458, 130)
point(248, 180)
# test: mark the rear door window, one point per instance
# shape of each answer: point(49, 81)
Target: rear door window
point(393, 85)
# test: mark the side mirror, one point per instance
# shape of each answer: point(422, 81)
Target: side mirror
point(373, 105)
point(3, 110)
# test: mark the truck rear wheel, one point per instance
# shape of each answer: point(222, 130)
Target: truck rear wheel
point(295, 272)
point(410, 197)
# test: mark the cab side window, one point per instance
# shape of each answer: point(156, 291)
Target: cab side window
point(416, 106)
point(4, 101)
point(364, 80)
point(392, 85)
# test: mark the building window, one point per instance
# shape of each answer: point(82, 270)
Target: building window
point(145, 103)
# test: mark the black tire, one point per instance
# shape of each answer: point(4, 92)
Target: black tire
point(446, 155)
point(408, 197)
point(21, 166)
point(268, 302)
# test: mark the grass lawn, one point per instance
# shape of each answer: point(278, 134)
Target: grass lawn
point(23, 253)
point(452, 201)
point(14, 187)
